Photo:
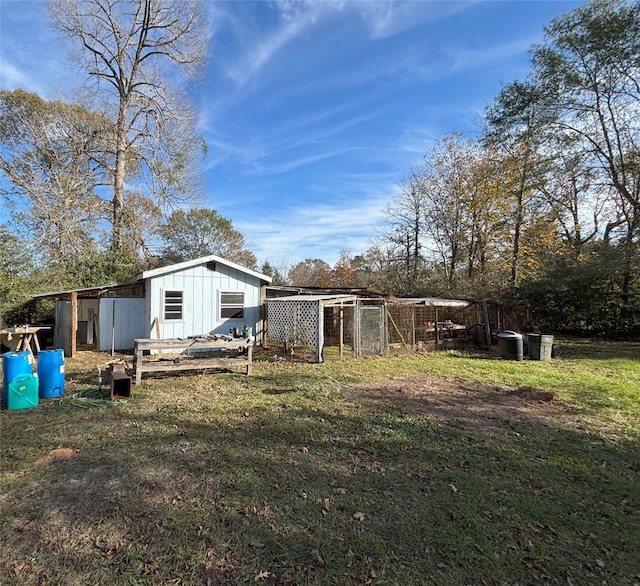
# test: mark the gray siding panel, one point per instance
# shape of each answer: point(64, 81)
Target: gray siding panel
point(130, 323)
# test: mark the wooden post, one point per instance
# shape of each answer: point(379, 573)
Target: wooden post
point(355, 332)
point(437, 329)
point(341, 328)
point(413, 325)
point(138, 353)
point(74, 322)
point(156, 323)
point(487, 325)
point(249, 357)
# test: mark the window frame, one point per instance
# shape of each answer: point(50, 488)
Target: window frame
point(222, 306)
point(164, 308)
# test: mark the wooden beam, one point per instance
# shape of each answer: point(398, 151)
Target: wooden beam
point(487, 324)
point(74, 322)
point(413, 326)
point(395, 327)
point(156, 323)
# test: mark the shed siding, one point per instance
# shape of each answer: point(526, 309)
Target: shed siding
point(130, 322)
point(201, 289)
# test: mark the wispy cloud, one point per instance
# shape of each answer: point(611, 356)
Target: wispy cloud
point(260, 46)
point(463, 58)
point(389, 18)
point(314, 231)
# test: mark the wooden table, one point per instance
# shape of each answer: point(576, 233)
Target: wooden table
point(187, 361)
point(28, 338)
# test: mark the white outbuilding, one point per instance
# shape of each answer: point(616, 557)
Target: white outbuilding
point(204, 296)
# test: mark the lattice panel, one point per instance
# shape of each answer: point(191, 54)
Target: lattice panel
point(295, 322)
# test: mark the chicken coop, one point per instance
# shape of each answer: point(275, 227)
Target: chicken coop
point(343, 323)
point(427, 323)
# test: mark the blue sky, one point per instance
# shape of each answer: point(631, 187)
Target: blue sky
point(314, 112)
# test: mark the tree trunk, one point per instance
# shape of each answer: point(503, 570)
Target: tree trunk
point(117, 230)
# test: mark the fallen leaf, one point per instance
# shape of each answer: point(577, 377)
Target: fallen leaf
point(56, 454)
point(349, 558)
point(317, 559)
point(262, 576)
point(454, 488)
point(358, 517)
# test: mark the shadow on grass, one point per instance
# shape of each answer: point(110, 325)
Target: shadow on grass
point(274, 391)
point(181, 484)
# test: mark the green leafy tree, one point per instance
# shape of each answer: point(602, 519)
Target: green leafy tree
point(199, 232)
point(16, 263)
point(573, 126)
point(588, 68)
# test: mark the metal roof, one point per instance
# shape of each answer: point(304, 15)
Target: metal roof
point(83, 292)
point(194, 263)
point(320, 298)
point(432, 301)
point(155, 273)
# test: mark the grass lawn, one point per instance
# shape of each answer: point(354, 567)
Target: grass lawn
point(448, 468)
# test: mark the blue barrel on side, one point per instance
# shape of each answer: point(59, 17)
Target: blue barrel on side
point(14, 364)
point(50, 373)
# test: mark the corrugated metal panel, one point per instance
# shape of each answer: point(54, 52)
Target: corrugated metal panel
point(432, 301)
point(323, 298)
point(62, 331)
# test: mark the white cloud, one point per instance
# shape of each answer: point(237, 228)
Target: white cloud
point(464, 58)
point(318, 229)
point(390, 18)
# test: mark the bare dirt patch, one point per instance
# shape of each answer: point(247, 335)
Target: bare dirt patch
point(467, 404)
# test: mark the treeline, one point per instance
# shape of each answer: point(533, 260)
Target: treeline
point(544, 205)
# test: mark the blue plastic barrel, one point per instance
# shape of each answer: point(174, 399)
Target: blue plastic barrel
point(50, 373)
point(14, 364)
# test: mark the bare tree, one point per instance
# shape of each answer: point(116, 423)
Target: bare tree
point(136, 52)
point(405, 219)
point(52, 156)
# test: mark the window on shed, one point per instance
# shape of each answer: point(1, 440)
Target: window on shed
point(231, 305)
point(172, 305)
